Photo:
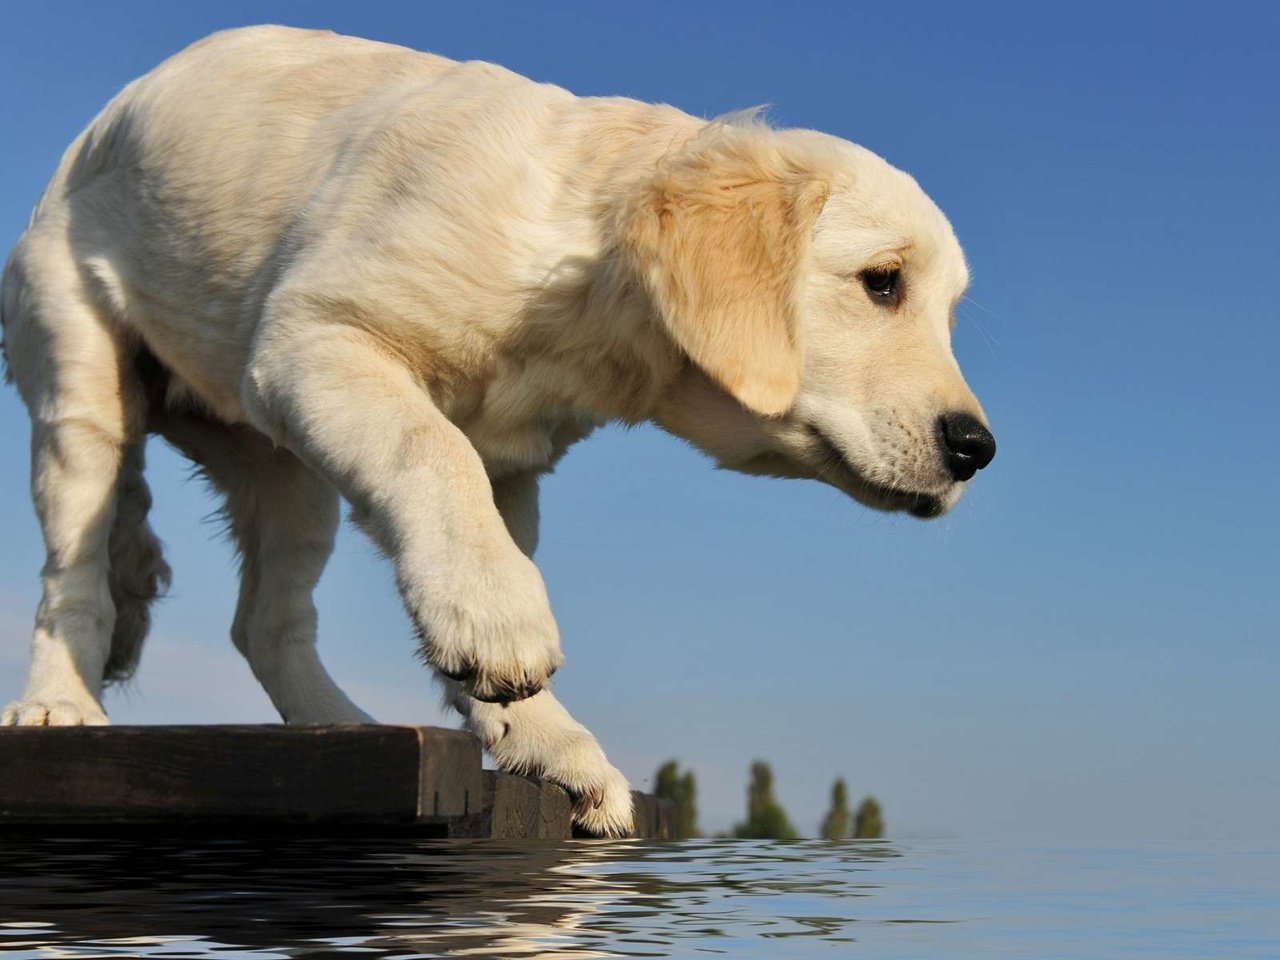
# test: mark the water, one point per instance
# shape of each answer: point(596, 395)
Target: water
point(313, 897)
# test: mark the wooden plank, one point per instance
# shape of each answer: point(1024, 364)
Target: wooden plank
point(450, 784)
point(276, 773)
point(350, 777)
point(555, 820)
point(509, 805)
point(667, 815)
point(644, 809)
point(517, 808)
point(655, 818)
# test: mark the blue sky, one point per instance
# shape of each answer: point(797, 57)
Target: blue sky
point(1085, 647)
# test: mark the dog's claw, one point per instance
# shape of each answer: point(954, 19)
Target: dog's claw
point(482, 685)
point(503, 693)
point(462, 674)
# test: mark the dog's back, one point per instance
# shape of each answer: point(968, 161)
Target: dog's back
point(210, 159)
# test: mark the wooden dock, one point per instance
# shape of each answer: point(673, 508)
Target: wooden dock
point(422, 781)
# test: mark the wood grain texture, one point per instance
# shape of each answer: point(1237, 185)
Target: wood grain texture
point(517, 808)
point(236, 773)
point(655, 817)
point(450, 784)
point(422, 780)
point(555, 813)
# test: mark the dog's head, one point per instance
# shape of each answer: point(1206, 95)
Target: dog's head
point(813, 288)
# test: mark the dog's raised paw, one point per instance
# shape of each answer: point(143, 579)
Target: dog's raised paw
point(50, 712)
point(502, 643)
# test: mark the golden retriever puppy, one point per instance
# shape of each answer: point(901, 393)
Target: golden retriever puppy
point(324, 267)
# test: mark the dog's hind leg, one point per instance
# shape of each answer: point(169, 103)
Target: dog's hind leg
point(538, 735)
point(283, 519)
point(138, 573)
point(74, 372)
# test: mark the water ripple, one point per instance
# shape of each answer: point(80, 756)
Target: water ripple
point(297, 897)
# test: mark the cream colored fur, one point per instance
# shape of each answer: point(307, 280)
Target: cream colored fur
point(324, 267)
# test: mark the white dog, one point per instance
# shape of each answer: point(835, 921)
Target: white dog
point(322, 266)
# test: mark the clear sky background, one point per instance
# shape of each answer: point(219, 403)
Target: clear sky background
point(1085, 647)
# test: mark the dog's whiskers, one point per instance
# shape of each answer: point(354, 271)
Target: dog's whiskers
point(992, 343)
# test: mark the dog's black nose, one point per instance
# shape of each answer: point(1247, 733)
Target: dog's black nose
point(967, 446)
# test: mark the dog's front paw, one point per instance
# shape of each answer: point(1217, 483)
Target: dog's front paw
point(605, 808)
point(496, 637)
point(537, 737)
point(601, 795)
point(52, 712)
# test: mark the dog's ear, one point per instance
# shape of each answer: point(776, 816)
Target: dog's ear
point(719, 239)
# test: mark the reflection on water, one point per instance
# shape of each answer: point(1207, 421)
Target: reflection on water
point(402, 898)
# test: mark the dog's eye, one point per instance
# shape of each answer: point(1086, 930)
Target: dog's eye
point(884, 284)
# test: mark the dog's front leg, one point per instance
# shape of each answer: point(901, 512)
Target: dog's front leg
point(538, 736)
point(336, 397)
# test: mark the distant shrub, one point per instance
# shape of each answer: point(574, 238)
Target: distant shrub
point(868, 822)
point(835, 826)
point(766, 820)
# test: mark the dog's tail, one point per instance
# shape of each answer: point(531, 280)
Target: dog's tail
point(138, 572)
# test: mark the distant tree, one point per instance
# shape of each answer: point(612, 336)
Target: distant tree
point(687, 810)
point(682, 790)
point(868, 822)
point(666, 782)
point(766, 820)
point(836, 824)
